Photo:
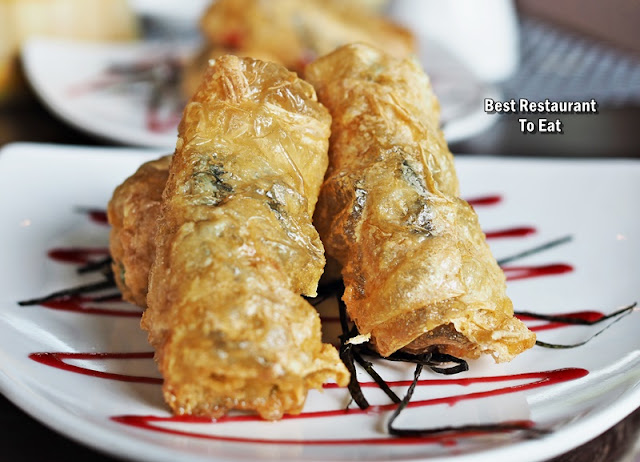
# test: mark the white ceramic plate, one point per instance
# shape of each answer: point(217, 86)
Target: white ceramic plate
point(108, 90)
point(73, 79)
point(46, 193)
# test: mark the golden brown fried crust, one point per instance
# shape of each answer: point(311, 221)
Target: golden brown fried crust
point(133, 212)
point(235, 247)
point(194, 70)
point(414, 257)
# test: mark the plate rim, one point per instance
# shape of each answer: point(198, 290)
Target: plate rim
point(456, 130)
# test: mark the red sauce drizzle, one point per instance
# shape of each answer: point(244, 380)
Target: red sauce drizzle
point(156, 124)
point(515, 273)
point(589, 316)
point(233, 39)
point(544, 378)
point(485, 200)
point(448, 439)
point(522, 231)
point(77, 304)
point(56, 359)
point(98, 216)
point(540, 379)
point(80, 255)
point(306, 57)
point(81, 89)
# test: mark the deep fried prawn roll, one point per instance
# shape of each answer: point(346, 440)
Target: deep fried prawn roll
point(417, 269)
point(133, 214)
point(235, 247)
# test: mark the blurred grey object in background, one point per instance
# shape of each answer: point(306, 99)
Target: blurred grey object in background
point(564, 66)
point(575, 53)
point(166, 20)
point(560, 64)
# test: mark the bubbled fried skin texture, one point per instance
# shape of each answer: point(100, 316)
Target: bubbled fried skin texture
point(235, 247)
point(133, 212)
point(195, 68)
point(417, 269)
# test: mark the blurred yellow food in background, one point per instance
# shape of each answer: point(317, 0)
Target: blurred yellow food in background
point(107, 20)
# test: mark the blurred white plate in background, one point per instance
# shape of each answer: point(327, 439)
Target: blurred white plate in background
point(113, 91)
point(129, 92)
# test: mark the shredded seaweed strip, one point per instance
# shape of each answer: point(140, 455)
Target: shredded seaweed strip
point(112, 297)
point(530, 432)
point(99, 265)
point(351, 353)
point(368, 366)
point(67, 293)
point(326, 291)
point(346, 355)
point(103, 266)
point(403, 404)
point(434, 360)
point(621, 313)
point(90, 210)
point(535, 250)
point(578, 321)
point(108, 283)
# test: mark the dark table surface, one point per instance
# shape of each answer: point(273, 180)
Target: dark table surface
point(611, 133)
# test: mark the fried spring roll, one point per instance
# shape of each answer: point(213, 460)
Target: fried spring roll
point(291, 32)
point(235, 247)
point(417, 269)
point(297, 31)
point(133, 214)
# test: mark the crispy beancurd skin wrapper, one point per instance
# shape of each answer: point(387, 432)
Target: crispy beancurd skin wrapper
point(235, 247)
point(417, 269)
point(133, 213)
point(196, 67)
point(295, 32)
